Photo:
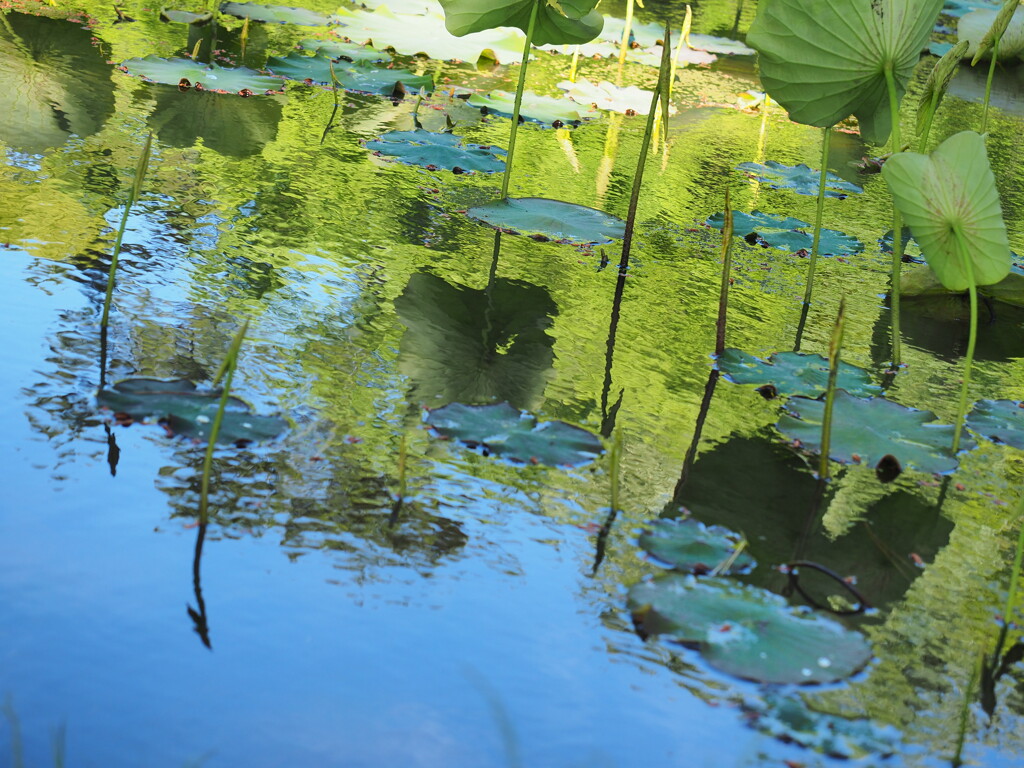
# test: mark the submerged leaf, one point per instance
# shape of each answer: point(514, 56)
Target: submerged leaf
point(999, 420)
point(785, 233)
point(800, 178)
point(502, 430)
point(793, 373)
point(438, 150)
point(550, 219)
point(279, 14)
point(689, 545)
point(747, 631)
point(540, 109)
point(570, 21)
point(189, 73)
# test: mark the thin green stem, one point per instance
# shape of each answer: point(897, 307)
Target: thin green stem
point(965, 258)
point(897, 220)
point(519, 99)
point(1018, 558)
point(624, 44)
point(817, 215)
point(834, 355)
point(988, 85)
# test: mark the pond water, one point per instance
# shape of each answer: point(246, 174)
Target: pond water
point(483, 622)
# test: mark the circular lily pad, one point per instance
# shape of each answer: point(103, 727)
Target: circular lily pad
point(553, 219)
point(792, 373)
point(786, 233)
point(368, 79)
point(800, 178)
point(747, 631)
point(438, 150)
point(689, 545)
point(336, 49)
point(540, 109)
point(999, 420)
point(185, 72)
point(277, 14)
point(502, 430)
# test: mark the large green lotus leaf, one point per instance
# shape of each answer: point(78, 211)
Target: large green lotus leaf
point(413, 34)
point(689, 545)
point(183, 410)
point(604, 95)
point(317, 69)
point(438, 150)
point(800, 178)
point(871, 428)
point(793, 373)
point(336, 49)
point(747, 631)
point(953, 188)
point(540, 109)
point(553, 219)
point(210, 78)
point(785, 233)
point(280, 14)
point(568, 21)
point(999, 420)
point(824, 60)
point(502, 430)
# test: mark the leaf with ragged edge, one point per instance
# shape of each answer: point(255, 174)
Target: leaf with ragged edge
point(438, 150)
point(824, 60)
point(317, 69)
point(866, 429)
point(800, 178)
point(210, 78)
point(793, 373)
point(502, 430)
point(784, 233)
point(689, 545)
point(999, 420)
point(185, 411)
point(747, 631)
point(551, 219)
point(572, 21)
point(336, 49)
point(540, 109)
point(938, 81)
point(604, 95)
point(277, 14)
point(952, 189)
point(978, 29)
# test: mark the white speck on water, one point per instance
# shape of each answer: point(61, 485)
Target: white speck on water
point(824, 662)
point(203, 419)
point(805, 672)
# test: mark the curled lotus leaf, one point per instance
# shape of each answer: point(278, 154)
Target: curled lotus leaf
point(999, 420)
point(974, 26)
point(353, 52)
point(689, 545)
point(550, 220)
point(184, 410)
point(565, 21)
point(604, 95)
point(800, 178)
point(438, 150)
point(501, 430)
point(275, 14)
point(866, 430)
point(793, 373)
point(747, 631)
point(207, 78)
point(540, 109)
point(352, 77)
point(786, 233)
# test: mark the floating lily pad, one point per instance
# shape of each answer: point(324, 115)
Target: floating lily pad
point(605, 95)
point(438, 150)
point(207, 78)
point(785, 233)
point(336, 49)
point(317, 69)
point(184, 410)
point(747, 631)
point(871, 428)
point(186, 17)
point(552, 219)
point(793, 373)
point(279, 14)
point(502, 430)
point(720, 45)
point(800, 178)
point(789, 718)
point(999, 420)
point(540, 109)
point(689, 545)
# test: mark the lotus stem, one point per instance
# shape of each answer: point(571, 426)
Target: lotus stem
point(988, 85)
point(834, 355)
point(822, 178)
point(932, 108)
point(723, 293)
point(573, 68)
point(684, 42)
point(627, 27)
point(519, 99)
point(897, 221)
point(965, 258)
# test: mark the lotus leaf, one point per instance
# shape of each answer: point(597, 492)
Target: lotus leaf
point(502, 430)
point(605, 95)
point(691, 546)
point(789, 718)
point(186, 17)
point(974, 26)
point(783, 232)
point(952, 189)
point(336, 49)
point(567, 21)
point(720, 45)
point(999, 420)
point(649, 34)
point(747, 631)
point(317, 69)
point(793, 373)
point(866, 429)
point(651, 57)
point(233, 127)
point(280, 14)
point(438, 150)
point(823, 60)
point(540, 109)
point(552, 219)
point(184, 410)
point(209, 78)
point(800, 178)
